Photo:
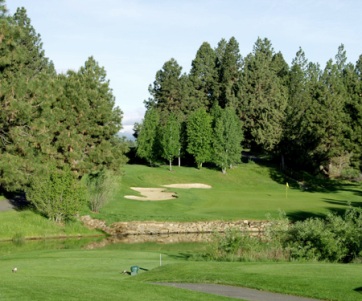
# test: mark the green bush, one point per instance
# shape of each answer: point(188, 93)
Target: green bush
point(335, 239)
point(235, 245)
point(57, 194)
point(351, 174)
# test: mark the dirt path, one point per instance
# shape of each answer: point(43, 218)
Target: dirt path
point(236, 292)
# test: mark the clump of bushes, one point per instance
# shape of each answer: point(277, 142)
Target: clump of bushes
point(333, 239)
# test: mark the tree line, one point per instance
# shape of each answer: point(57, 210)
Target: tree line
point(55, 128)
point(307, 116)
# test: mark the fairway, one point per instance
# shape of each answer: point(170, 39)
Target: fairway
point(83, 274)
point(249, 191)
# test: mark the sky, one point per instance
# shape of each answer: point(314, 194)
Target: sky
point(132, 39)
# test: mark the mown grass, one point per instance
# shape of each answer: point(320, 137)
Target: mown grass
point(249, 191)
point(81, 274)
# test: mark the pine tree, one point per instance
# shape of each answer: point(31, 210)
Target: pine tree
point(166, 90)
point(295, 143)
point(26, 96)
point(263, 100)
point(229, 70)
point(353, 82)
point(203, 77)
point(87, 121)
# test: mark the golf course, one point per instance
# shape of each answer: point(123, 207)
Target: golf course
point(72, 269)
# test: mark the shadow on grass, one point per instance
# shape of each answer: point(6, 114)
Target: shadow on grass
point(183, 256)
point(303, 215)
point(358, 289)
point(343, 203)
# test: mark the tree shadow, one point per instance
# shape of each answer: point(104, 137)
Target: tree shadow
point(17, 200)
point(306, 182)
point(184, 256)
point(345, 203)
point(303, 215)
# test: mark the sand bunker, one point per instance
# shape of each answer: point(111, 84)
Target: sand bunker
point(159, 194)
point(151, 194)
point(190, 185)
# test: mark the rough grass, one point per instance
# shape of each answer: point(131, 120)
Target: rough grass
point(249, 191)
point(17, 225)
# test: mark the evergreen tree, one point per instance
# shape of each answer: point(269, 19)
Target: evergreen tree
point(166, 90)
point(25, 97)
point(295, 144)
point(227, 139)
point(199, 134)
point(264, 99)
point(203, 77)
point(331, 120)
point(353, 79)
point(88, 122)
point(229, 75)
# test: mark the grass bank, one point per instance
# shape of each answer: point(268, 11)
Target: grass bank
point(249, 191)
point(18, 225)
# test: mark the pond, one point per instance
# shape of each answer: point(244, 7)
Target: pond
point(89, 243)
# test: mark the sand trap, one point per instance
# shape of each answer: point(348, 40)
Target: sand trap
point(151, 194)
point(189, 185)
point(159, 194)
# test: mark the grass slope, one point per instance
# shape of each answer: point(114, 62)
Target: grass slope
point(249, 191)
point(73, 274)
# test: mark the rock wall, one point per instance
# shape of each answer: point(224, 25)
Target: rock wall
point(157, 228)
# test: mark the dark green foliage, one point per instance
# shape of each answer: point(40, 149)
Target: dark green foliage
point(310, 117)
point(25, 100)
point(264, 99)
point(57, 194)
point(53, 128)
point(85, 135)
point(229, 71)
point(166, 90)
point(203, 78)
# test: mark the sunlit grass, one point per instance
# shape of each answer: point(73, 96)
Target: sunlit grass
point(249, 191)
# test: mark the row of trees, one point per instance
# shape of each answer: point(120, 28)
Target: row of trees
point(54, 128)
point(309, 117)
point(207, 137)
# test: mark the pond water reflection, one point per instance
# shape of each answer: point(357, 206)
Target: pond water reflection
point(88, 243)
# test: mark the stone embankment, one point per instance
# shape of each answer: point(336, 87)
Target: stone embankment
point(162, 228)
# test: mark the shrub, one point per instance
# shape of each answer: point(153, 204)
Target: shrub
point(57, 194)
point(335, 239)
point(99, 187)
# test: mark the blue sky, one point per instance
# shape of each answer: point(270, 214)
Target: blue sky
point(132, 39)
